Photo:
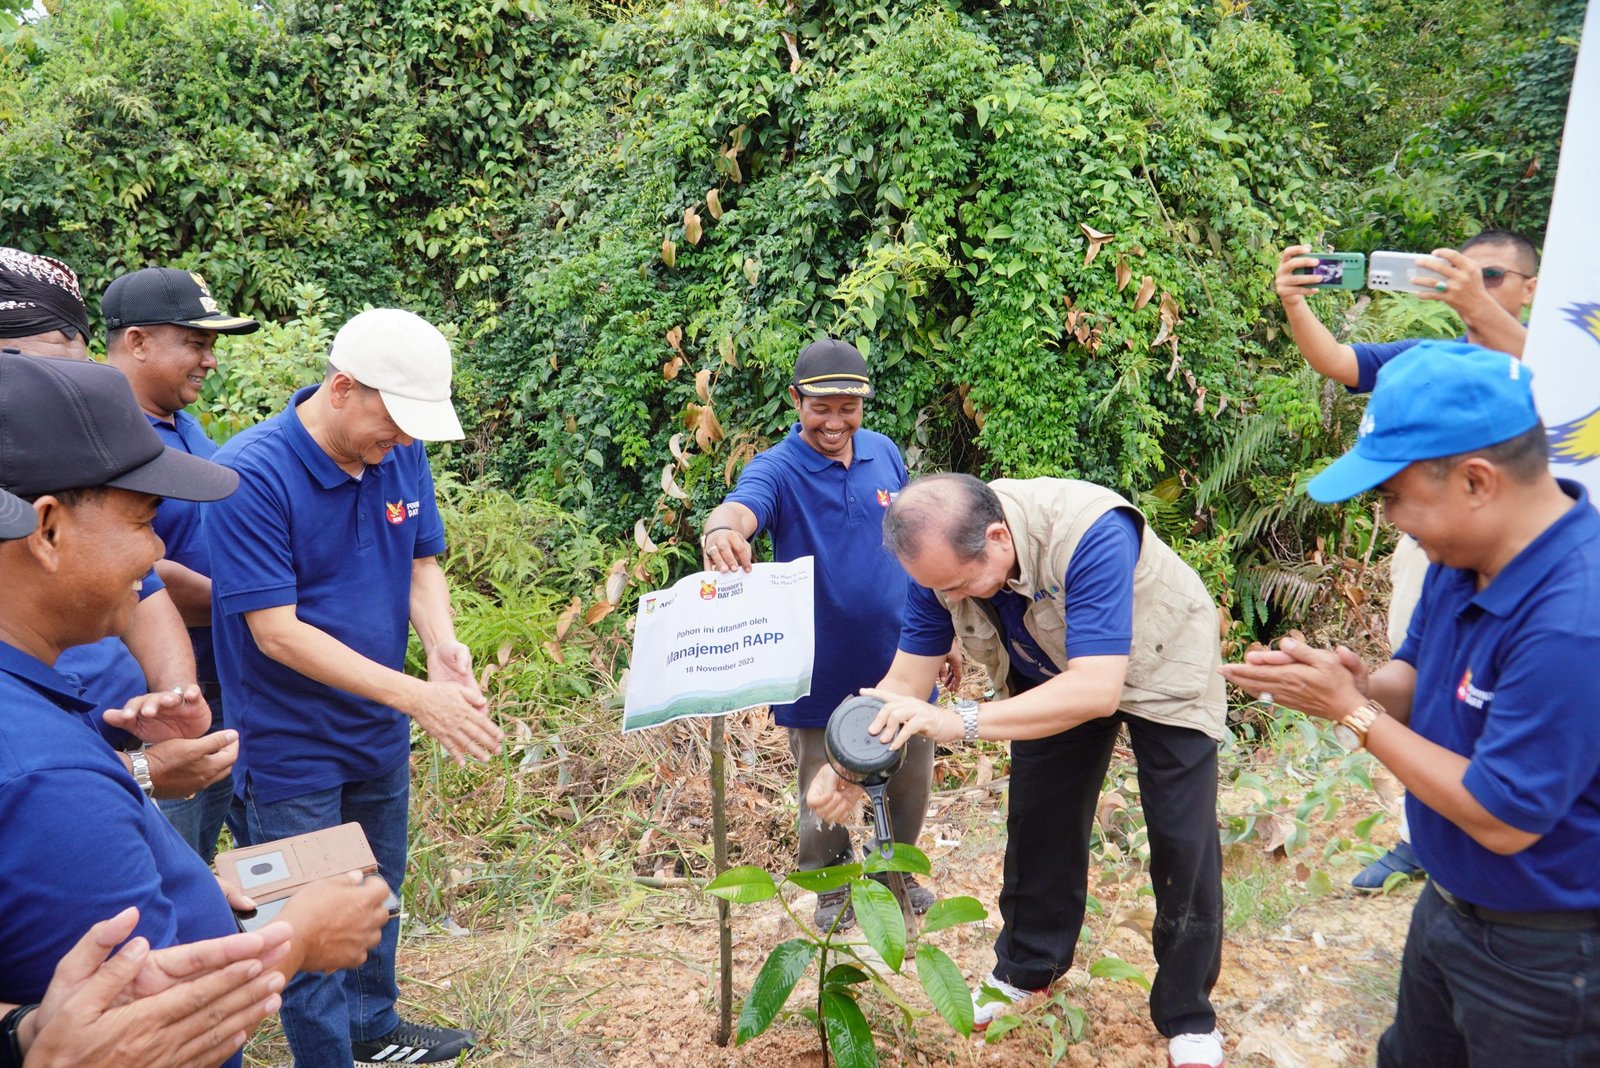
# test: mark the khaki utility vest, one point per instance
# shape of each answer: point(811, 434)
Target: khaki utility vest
point(1172, 670)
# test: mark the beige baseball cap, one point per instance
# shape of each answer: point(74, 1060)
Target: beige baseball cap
point(407, 360)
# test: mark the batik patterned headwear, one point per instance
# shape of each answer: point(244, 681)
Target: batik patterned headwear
point(39, 295)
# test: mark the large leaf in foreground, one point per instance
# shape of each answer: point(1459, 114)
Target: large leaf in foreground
point(942, 981)
point(782, 970)
point(849, 1037)
point(881, 922)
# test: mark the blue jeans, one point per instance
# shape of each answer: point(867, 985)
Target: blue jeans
point(1489, 994)
point(199, 819)
point(323, 1014)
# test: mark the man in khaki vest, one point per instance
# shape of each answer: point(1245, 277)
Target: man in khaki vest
point(1086, 622)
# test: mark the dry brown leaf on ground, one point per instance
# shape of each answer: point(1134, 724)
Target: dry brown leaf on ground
point(1139, 921)
point(1274, 830)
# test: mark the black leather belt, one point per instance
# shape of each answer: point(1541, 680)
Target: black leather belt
point(1576, 920)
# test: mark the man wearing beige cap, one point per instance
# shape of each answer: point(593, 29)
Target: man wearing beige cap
point(318, 562)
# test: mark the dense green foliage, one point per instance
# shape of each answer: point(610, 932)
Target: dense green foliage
point(1050, 225)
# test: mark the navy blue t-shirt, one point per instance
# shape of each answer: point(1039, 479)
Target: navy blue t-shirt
point(300, 531)
point(816, 506)
point(80, 843)
point(1508, 676)
point(178, 524)
point(1096, 595)
point(1372, 355)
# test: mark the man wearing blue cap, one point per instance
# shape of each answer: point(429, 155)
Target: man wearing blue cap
point(1487, 712)
point(1487, 283)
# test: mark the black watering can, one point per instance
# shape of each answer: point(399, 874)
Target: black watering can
point(860, 758)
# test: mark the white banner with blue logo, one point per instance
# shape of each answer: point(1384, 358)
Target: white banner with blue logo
point(1564, 334)
point(712, 644)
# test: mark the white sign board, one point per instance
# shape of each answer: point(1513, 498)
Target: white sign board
point(713, 644)
point(1564, 334)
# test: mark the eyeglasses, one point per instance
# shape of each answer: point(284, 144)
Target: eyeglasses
point(1493, 276)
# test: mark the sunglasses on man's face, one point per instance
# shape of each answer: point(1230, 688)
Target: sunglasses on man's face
point(1493, 276)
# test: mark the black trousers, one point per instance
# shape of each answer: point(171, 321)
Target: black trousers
point(1055, 785)
point(1487, 994)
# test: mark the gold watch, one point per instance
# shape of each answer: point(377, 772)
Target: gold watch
point(1351, 732)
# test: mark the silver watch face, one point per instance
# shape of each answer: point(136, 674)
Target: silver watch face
point(1346, 736)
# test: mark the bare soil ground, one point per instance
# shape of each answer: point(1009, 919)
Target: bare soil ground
point(1308, 980)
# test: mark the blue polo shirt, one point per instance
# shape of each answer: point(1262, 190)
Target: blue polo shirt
point(178, 524)
point(300, 531)
point(80, 843)
point(1096, 596)
point(1509, 677)
point(816, 506)
point(1372, 355)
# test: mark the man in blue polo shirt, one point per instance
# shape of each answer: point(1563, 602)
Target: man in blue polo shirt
point(76, 446)
point(161, 327)
point(318, 562)
point(1087, 623)
point(1487, 712)
point(1488, 283)
point(822, 492)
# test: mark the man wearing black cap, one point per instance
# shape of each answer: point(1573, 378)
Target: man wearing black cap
point(81, 841)
point(161, 327)
point(822, 492)
point(42, 314)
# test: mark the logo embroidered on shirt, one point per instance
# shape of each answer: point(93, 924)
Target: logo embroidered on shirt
point(887, 497)
point(1048, 591)
point(398, 512)
point(1470, 694)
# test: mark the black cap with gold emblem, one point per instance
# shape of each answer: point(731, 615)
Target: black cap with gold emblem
point(167, 295)
point(832, 368)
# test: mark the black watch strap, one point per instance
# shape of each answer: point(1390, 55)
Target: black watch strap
point(10, 1041)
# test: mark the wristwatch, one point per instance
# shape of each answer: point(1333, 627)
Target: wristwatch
point(1351, 732)
point(141, 770)
point(968, 710)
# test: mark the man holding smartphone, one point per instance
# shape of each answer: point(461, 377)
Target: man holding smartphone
point(1488, 283)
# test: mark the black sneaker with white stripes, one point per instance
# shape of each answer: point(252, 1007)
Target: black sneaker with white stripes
point(413, 1043)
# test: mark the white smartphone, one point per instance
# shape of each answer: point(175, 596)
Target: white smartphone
point(1398, 272)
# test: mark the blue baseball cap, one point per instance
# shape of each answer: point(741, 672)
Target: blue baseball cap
point(1438, 398)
